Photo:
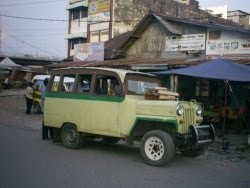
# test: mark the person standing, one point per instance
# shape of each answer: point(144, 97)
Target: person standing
point(44, 90)
point(45, 130)
point(29, 97)
point(7, 83)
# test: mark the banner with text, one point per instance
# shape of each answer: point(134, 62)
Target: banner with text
point(191, 42)
point(228, 47)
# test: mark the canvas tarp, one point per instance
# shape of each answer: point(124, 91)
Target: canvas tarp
point(8, 64)
point(216, 69)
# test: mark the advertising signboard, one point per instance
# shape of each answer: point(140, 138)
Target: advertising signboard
point(89, 52)
point(228, 47)
point(99, 10)
point(185, 42)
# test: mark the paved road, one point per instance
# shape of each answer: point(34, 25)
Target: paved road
point(27, 161)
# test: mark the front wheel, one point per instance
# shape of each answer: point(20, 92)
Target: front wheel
point(71, 138)
point(157, 148)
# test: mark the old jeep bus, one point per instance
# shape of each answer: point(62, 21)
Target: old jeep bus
point(113, 105)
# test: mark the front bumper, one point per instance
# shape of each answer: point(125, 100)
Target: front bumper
point(197, 136)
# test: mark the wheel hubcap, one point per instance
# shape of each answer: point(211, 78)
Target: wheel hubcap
point(71, 136)
point(154, 148)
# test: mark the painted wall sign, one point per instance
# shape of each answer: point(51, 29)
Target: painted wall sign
point(228, 47)
point(185, 42)
point(98, 6)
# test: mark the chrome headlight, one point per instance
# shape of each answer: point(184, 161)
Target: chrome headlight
point(180, 109)
point(198, 110)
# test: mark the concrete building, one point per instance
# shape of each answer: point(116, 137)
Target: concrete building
point(240, 17)
point(101, 20)
point(237, 16)
point(219, 11)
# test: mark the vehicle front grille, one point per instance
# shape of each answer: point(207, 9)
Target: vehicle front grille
point(188, 118)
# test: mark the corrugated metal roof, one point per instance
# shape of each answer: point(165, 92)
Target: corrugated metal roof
point(211, 23)
point(168, 26)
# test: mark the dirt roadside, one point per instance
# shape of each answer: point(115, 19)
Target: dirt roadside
point(13, 110)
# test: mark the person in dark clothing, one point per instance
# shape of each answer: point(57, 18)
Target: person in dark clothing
point(46, 131)
point(29, 97)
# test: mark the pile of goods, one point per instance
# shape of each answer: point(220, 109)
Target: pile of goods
point(160, 93)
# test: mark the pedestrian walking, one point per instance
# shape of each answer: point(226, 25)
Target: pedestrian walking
point(29, 97)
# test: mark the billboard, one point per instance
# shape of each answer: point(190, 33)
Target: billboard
point(89, 52)
point(185, 43)
point(99, 10)
point(98, 6)
point(228, 47)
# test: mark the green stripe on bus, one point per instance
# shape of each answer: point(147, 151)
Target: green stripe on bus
point(80, 96)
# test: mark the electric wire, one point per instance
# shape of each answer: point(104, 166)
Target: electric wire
point(55, 49)
point(29, 3)
point(86, 20)
point(26, 43)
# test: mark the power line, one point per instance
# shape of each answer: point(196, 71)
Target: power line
point(28, 44)
point(42, 35)
point(29, 3)
point(53, 48)
point(30, 18)
point(63, 20)
point(42, 29)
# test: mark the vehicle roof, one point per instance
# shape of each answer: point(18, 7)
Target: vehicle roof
point(120, 72)
point(40, 77)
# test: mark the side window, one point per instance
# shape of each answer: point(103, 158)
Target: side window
point(107, 85)
point(55, 82)
point(68, 83)
point(83, 83)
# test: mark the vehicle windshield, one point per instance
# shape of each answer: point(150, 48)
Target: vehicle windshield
point(137, 85)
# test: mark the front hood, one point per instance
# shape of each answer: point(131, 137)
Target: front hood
point(156, 108)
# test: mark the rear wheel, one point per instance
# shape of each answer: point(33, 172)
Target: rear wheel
point(37, 108)
point(157, 148)
point(71, 138)
point(193, 152)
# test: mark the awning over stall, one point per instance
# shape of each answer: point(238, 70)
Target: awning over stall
point(216, 69)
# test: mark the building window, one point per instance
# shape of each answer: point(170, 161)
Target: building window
point(84, 11)
point(76, 41)
point(214, 35)
point(75, 14)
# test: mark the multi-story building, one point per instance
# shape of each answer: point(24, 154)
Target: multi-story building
point(101, 20)
point(240, 17)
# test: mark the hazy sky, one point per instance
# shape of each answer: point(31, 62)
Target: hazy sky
point(33, 36)
point(243, 5)
point(48, 37)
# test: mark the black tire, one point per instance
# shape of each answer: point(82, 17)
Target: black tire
point(71, 138)
point(36, 108)
point(193, 152)
point(110, 140)
point(157, 148)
